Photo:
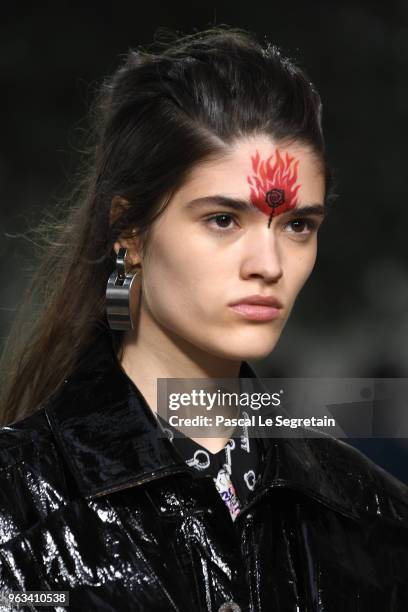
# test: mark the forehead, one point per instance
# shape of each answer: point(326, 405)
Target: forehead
point(229, 174)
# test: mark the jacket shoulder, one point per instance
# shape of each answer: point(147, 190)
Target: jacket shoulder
point(22, 438)
point(370, 489)
point(32, 476)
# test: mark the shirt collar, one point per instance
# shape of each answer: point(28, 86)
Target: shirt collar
point(108, 436)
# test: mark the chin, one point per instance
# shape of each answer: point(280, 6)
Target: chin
point(257, 344)
point(256, 353)
point(245, 351)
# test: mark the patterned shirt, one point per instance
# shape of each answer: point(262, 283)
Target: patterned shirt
point(234, 468)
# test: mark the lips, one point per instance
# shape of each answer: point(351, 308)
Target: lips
point(257, 307)
point(261, 300)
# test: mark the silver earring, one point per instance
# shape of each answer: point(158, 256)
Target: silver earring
point(118, 290)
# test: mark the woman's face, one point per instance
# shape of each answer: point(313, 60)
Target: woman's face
point(206, 254)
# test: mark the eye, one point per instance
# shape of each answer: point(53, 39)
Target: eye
point(221, 222)
point(302, 227)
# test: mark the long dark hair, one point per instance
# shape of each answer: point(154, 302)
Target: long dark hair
point(160, 113)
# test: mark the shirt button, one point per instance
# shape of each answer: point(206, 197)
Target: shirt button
point(229, 606)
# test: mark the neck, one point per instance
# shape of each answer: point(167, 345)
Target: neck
point(150, 352)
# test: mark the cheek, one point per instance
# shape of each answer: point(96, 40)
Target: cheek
point(300, 267)
point(175, 280)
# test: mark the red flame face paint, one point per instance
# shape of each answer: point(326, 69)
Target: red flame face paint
point(273, 186)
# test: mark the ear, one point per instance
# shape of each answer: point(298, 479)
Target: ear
point(118, 207)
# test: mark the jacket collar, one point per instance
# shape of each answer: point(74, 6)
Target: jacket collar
point(105, 429)
point(108, 436)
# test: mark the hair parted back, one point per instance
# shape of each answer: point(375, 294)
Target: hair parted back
point(161, 112)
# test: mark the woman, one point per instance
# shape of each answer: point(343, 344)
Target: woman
point(197, 230)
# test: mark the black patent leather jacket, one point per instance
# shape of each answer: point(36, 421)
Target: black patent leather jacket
point(93, 502)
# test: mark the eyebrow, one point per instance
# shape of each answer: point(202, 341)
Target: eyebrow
point(244, 205)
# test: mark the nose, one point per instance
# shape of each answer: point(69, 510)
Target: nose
point(262, 258)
